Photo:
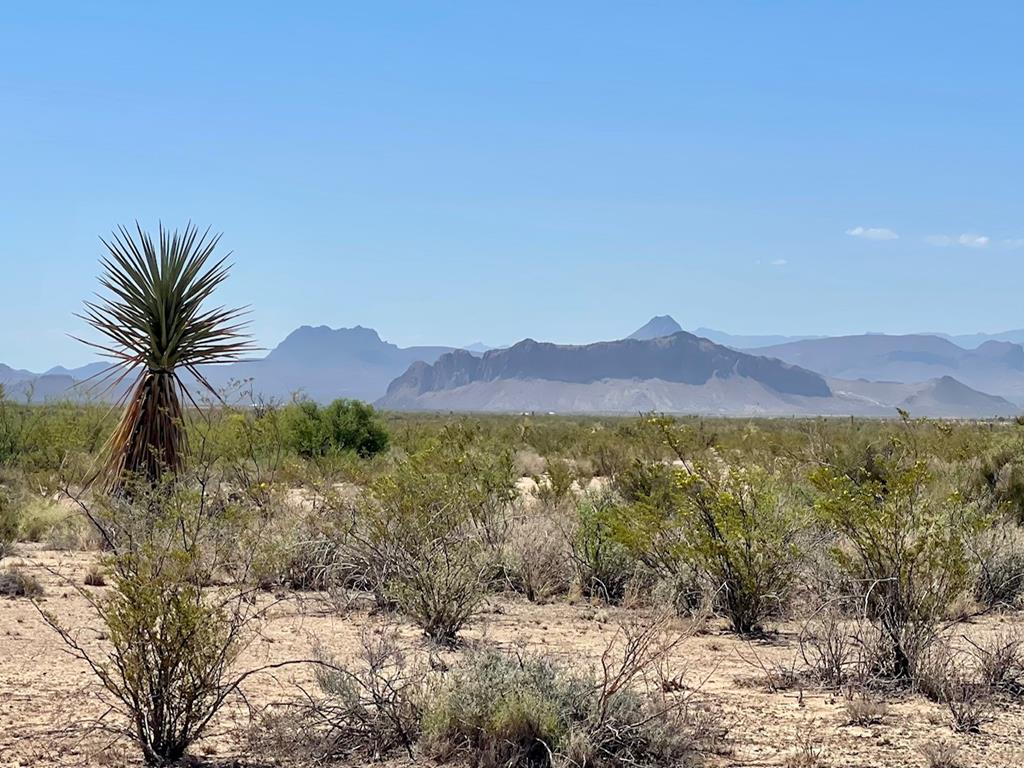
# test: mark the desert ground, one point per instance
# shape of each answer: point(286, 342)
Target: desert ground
point(53, 708)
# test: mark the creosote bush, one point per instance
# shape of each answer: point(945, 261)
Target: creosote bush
point(430, 532)
point(732, 525)
point(903, 545)
point(172, 638)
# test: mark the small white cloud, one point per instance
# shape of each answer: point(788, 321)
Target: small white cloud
point(967, 239)
point(779, 262)
point(972, 240)
point(872, 233)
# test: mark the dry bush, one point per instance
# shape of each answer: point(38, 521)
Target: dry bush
point(361, 711)
point(537, 558)
point(999, 580)
point(14, 582)
point(829, 649)
point(862, 708)
point(807, 753)
point(949, 678)
point(502, 709)
point(942, 754)
point(1001, 663)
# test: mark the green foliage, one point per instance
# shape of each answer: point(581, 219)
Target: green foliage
point(171, 648)
point(10, 523)
point(432, 527)
point(904, 545)
point(344, 425)
point(732, 526)
point(603, 564)
point(530, 711)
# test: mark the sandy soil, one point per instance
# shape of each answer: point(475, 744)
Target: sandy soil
point(50, 702)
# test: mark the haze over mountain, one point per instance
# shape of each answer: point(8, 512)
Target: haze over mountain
point(996, 367)
point(657, 367)
point(679, 373)
point(327, 363)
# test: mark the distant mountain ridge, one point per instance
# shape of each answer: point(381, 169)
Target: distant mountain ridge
point(868, 373)
point(996, 367)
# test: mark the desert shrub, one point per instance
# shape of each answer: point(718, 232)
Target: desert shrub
point(950, 678)
point(10, 523)
point(344, 425)
point(941, 754)
point(430, 532)
point(556, 486)
point(1000, 474)
point(1001, 663)
point(903, 546)
point(14, 582)
point(501, 709)
point(172, 640)
point(830, 652)
point(999, 579)
point(537, 559)
point(862, 708)
point(603, 565)
point(732, 525)
point(368, 709)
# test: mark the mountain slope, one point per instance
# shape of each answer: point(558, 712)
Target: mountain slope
point(995, 366)
point(656, 327)
point(325, 363)
point(594, 377)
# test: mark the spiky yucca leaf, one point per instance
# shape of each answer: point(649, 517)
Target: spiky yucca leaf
point(156, 323)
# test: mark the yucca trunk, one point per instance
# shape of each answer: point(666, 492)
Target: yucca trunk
point(150, 439)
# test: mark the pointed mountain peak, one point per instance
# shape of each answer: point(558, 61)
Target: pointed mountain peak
point(656, 327)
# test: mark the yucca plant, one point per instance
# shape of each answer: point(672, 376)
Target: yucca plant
point(156, 325)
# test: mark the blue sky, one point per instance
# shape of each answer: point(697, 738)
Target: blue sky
point(449, 172)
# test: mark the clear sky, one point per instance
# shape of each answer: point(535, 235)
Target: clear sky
point(449, 172)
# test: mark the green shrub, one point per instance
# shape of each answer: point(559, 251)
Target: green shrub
point(733, 526)
point(10, 523)
point(172, 638)
point(342, 426)
point(903, 546)
point(527, 710)
point(431, 532)
point(604, 566)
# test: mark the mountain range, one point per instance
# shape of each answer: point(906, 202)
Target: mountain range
point(657, 367)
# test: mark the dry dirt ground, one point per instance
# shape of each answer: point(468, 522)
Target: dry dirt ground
point(50, 701)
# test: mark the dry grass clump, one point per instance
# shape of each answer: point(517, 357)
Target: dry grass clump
point(16, 583)
point(862, 708)
point(942, 754)
point(95, 577)
point(362, 711)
